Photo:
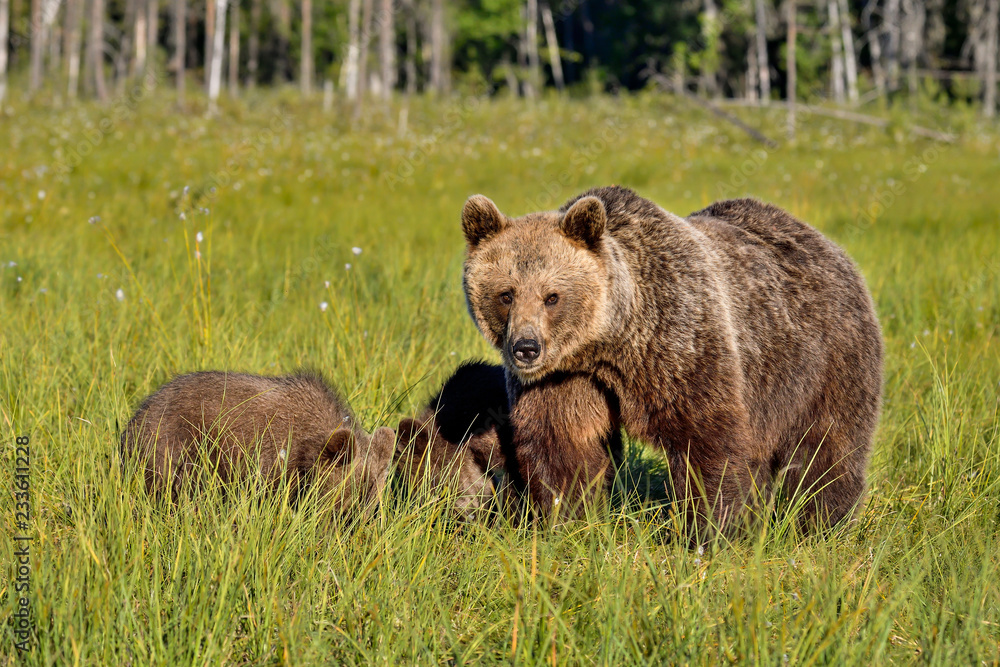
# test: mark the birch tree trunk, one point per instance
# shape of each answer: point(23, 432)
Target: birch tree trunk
point(990, 70)
point(710, 35)
point(53, 33)
point(141, 32)
point(306, 62)
point(210, 7)
point(253, 43)
point(74, 24)
point(4, 32)
point(153, 29)
point(95, 48)
point(367, 10)
point(353, 49)
point(752, 71)
point(892, 46)
point(438, 47)
point(180, 47)
point(850, 56)
point(218, 44)
point(555, 61)
point(791, 39)
point(387, 47)
point(874, 38)
point(914, 17)
point(37, 36)
point(837, 68)
point(764, 68)
point(234, 49)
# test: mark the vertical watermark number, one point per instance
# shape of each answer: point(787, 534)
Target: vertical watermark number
point(22, 543)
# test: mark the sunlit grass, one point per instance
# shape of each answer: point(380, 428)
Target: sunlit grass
point(235, 277)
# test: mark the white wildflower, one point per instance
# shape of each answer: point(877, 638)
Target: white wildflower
point(356, 250)
point(323, 305)
point(120, 294)
point(199, 237)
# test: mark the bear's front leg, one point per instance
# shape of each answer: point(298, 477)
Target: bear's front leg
point(564, 442)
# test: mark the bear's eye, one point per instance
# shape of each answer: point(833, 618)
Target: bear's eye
point(552, 300)
point(506, 298)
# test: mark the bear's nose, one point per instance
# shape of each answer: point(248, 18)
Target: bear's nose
point(526, 349)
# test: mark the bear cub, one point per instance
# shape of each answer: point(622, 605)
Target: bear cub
point(293, 427)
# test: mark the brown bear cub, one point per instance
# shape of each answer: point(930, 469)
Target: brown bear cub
point(454, 442)
point(294, 427)
point(738, 339)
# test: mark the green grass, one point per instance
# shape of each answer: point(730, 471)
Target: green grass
point(117, 579)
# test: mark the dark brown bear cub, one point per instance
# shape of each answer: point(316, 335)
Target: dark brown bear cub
point(294, 427)
point(454, 442)
point(739, 339)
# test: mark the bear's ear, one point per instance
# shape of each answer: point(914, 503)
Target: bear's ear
point(585, 221)
point(411, 435)
point(339, 447)
point(481, 219)
point(486, 452)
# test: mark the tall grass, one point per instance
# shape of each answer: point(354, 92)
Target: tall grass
point(118, 578)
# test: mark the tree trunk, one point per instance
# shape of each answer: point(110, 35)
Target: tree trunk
point(95, 48)
point(750, 94)
point(990, 84)
point(353, 50)
point(4, 32)
point(153, 21)
point(555, 60)
point(74, 24)
point(210, 7)
point(411, 47)
point(234, 49)
point(307, 65)
point(37, 36)
point(837, 61)
point(141, 33)
point(913, 32)
point(180, 46)
point(218, 44)
point(53, 33)
point(892, 46)
point(874, 38)
point(850, 56)
point(764, 68)
point(367, 8)
point(791, 39)
point(253, 43)
point(438, 47)
point(710, 35)
point(387, 47)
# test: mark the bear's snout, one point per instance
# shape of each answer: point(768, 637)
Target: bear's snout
point(526, 350)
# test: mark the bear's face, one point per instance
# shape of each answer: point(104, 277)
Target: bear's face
point(536, 286)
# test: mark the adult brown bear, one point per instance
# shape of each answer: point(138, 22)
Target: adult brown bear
point(738, 339)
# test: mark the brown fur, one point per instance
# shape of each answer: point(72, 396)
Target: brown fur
point(292, 427)
point(454, 443)
point(739, 339)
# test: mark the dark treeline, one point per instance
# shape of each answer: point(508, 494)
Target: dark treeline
point(851, 52)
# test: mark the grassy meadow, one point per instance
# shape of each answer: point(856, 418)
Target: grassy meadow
point(137, 243)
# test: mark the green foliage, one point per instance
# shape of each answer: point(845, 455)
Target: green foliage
point(118, 578)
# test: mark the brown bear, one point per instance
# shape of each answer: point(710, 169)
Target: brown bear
point(738, 339)
point(453, 444)
point(294, 427)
